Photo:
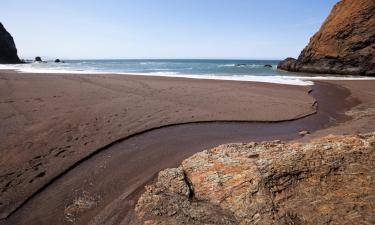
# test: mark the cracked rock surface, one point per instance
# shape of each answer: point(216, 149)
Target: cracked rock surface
point(326, 181)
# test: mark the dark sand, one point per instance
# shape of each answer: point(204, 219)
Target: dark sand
point(106, 179)
point(49, 122)
point(362, 115)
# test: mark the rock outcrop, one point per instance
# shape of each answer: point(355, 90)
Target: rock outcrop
point(8, 50)
point(326, 181)
point(345, 44)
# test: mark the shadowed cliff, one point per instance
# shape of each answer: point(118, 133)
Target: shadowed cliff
point(8, 50)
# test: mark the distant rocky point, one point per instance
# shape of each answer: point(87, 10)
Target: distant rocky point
point(345, 44)
point(8, 50)
point(326, 181)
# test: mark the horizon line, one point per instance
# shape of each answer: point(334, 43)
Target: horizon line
point(152, 58)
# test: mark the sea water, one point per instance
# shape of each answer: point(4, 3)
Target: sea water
point(244, 70)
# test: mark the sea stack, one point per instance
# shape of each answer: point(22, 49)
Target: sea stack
point(345, 44)
point(8, 50)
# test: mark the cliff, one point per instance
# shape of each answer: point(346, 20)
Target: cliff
point(345, 43)
point(8, 50)
point(327, 181)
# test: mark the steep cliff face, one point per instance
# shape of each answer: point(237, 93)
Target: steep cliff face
point(327, 181)
point(345, 44)
point(8, 51)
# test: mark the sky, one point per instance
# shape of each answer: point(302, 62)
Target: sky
point(143, 29)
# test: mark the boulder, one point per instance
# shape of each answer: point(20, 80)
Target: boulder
point(345, 43)
point(268, 66)
point(57, 61)
point(8, 50)
point(287, 64)
point(38, 59)
point(325, 181)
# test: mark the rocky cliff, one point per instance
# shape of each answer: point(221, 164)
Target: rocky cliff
point(8, 51)
point(326, 181)
point(345, 44)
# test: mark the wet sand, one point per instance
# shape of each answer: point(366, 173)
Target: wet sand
point(111, 178)
point(106, 179)
point(51, 121)
point(362, 116)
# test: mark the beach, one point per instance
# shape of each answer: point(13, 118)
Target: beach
point(49, 121)
point(59, 130)
point(192, 113)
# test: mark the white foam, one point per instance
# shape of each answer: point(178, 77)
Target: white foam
point(227, 65)
point(161, 73)
point(335, 78)
point(290, 80)
point(264, 79)
point(29, 68)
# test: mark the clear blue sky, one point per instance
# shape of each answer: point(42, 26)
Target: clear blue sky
point(262, 29)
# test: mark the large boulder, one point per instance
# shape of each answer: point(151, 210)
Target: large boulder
point(345, 44)
point(326, 181)
point(8, 50)
point(288, 64)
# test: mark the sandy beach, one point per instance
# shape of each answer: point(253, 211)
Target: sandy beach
point(54, 125)
point(49, 122)
point(193, 113)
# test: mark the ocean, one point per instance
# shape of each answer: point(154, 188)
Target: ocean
point(244, 70)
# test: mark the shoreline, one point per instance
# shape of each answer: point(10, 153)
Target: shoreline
point(295, 78)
